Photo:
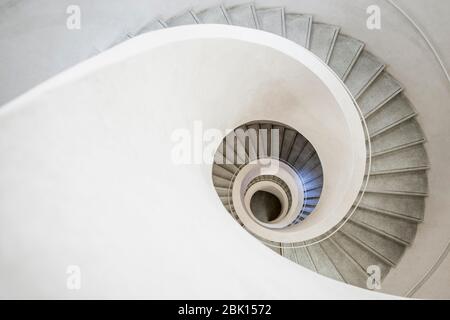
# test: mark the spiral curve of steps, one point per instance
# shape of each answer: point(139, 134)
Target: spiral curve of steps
point(384, 223)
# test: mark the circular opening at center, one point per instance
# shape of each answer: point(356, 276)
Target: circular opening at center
point(265, 206)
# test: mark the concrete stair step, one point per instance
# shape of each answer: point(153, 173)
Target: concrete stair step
point(406, 133)
point(392, 112)
point(365, 70)
point(307, 152)
point(221, 172)
point(323, 37)
point(385, 248)
point(314, 193)
point(304, 258)
point(272, 20)
point(345, 53)
point(312, 174)
point(348, 268)
point(397, 228)
point(288, 141)
point(382, 89)
point(243, 16)
point(298, 28)
point(310, 165)
point(313, 184)
point(415, 182)
point(297, 148)
point(360, 254)
point(151, 26)
point(323, 263)
point(185, 18)
point(214, 15)
point(288, 252)
point(408, 158)
point(221, 182)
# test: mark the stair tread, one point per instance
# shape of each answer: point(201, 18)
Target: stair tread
point(365, 258)
point(272, 20)
point(313, 184)
point(407, 132)
point(387, 249)
point(403, 205)
point(412, 157)
point(323, 263)
point(307, 152)
point(345, 53)
point(288, 141)
point(398, 148)
point(395, 227)
point(415, 182)
point(222, 172)
point(363, 73)
point(392, 112)
point(350, 271)
point(221, 182)
point(392, 125)
point(323, 37)
point(303, 258)
point(151, 26)
point(216, 15)
point(243, 16)
point(289, 252)
point(298, 146)
point(384, 88)
point(185, 18)
point(298, 28)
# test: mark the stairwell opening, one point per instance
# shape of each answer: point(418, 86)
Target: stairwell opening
point(268, 172)
point(265, 206)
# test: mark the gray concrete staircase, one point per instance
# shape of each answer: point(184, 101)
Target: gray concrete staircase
point(385, 222)
point(294, 150)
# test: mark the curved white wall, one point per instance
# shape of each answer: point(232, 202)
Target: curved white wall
point(87, 179)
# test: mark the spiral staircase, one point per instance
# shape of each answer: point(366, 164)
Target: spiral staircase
point(384, 222)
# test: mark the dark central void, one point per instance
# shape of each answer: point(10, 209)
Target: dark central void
point(265, 206)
